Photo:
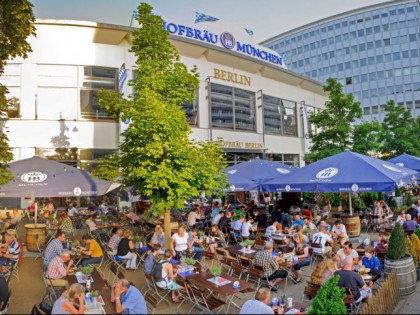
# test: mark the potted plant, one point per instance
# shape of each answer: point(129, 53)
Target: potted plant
point(409, 200)
point(87, 270)
point(397, 258)
point(417, 232)
point(190, 261)
point(415, 240)
point(200, 235)
point(329, 299)
point(94, 294)
point(103, 218)
point(137, 240)
point(216, 272)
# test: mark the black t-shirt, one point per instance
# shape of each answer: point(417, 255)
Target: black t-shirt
point(223, 223)
point(350, 279)
point(123, 247)
point(4, 290)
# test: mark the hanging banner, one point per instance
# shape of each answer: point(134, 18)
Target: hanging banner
point(305, 128)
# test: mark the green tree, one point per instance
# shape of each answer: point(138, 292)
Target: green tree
point(335, 123)
point(366, 137)
point(107, 168)
point(396, 247)
point(157, 154)
point(16, 24)
point(400, 131)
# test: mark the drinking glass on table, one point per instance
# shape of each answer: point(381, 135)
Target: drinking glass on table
point(204, 268)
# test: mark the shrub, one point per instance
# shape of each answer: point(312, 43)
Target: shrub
point(394, 204)
point(417, 232)
point(409, 200)
point(409, 247)
point(396, 247)
point(416, 244)
point(329, 299)
point(397, 192)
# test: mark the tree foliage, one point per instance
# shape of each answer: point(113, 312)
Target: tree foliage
point(400, 131)
point(396, 247)
point(107, 168)
point(366, 137)
point(157, 154)
point(329, 299)
point(16, 24)
point(334, 122)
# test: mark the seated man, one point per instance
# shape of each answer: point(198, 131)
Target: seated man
point(294, 209)
point(410, 225)
point(73, 210)
point(259, 218)
point(193, 216)
point(260, 304)
point(306, 212)
point(308, 226)
point(247, 228)
point(96, 229)
point(322, 239)
point(224, 221)
point(269, 263)
point(237, 225)
point(297, 221)
point(150, 260)
point(279, 233)
point(128, 299)
point(339, 231)
point(57, 270)
point(197, 251)
point(353, 281)
point(271, 229)
point(10, 251)
point(94, 251)
point(54, 247)
point(277, 215)
point(115, 241)
point(326, 225)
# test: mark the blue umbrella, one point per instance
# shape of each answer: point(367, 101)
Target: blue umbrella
point(344, 172)
point(407, 160)
point(258, 171)
point(238, 183)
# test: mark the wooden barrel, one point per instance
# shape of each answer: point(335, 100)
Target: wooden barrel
point(32, 233)
point(406, 273)
point(352, 225)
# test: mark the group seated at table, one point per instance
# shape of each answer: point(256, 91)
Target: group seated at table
point(57, 269)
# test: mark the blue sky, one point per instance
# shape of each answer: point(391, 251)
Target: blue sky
point(265, 17)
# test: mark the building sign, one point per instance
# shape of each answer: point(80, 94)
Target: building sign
point(231, 77)
point(226, 39)
point(241, 145)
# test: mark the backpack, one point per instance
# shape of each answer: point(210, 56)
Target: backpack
point(157, 270)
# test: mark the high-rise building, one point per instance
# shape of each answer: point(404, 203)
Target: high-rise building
point(373, 51)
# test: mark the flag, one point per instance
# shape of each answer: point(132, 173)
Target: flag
point(201, 17)
point(122, 76)
point(250, 32)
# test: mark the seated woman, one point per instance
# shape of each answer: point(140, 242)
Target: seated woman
point(67, 302)
point(158, 238)
point(301, 251)
point(330, 268)
point(168, 276)
point(219, 234)
point(126, 250)
point(371, 262)
point(318, 273)
point(348, 251)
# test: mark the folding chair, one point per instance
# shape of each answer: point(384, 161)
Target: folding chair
point(236, 270)
point(206, 301)
point(151, 303)
point(209, 256)
point(350, 302)
point(39, 247)
point(226, 262)
point(309, 293)
point(159, 293)
point(259, 244)
point(237, 236)
point(185, 294)
point(118, 273)
point(317, 254)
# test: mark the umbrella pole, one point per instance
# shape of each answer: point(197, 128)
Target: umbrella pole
point(350, 206)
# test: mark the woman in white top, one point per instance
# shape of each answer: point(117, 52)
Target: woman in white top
point(168, 275)
point(401, 218)
point(65, 304)
point(180, 242)
point(348, 251)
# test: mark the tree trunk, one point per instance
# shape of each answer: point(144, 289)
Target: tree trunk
point(167, 228)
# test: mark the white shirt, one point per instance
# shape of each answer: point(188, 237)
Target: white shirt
point(73, 211)
point(91, 225)
point(192, 218)
point(181, 243)
point(322, 239)
point(311, 226)
point(245, 228)
point(343, 256)
point(340, 230)
point(270, 230)
point(216, 219)
point(295, 210)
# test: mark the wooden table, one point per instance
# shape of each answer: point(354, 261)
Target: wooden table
point(235, 250)
point(100, 285)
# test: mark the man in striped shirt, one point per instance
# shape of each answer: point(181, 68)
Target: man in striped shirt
point(11, 250)
point(57, 270)
point(54, 247)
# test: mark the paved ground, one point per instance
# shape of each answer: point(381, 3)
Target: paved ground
point(28, 291)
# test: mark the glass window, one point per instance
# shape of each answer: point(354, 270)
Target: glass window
point(323, 42)
point(362, 47)
point(306, 35)
point(325, 70)
point(353, 34)
point(416, 86)
point(396, 55)
point(389, 90)
point(387, 41)
point(369, 31)
point(331, 41)
point(365, 94)
point(384, 15)
point(381, 91)
point(372, 76)
point(355, 64)
point(88, 158)
point(232, 107)
point(306, 61)
point(347, 50)
point(68, 156)
point(361, 33)
point(279, 116)
point(385, 27)
point(378, 43)
point(299, 38)
point(369, 45)
point(300, 63)
point(344, 24)
point(377, 29)
point(382, 108)
point(191, 111)
point(352, 22)
point(366, 111)
point(389, 74)
point(374, 92)
point(393, 12)
point(96, 78)
point(332, 54)
point(414, 53)
point(332, 69)
point(410, 9)
point(323, 30)
point(409, 105)
point(405, 54)
point(13, 110)
point(359, 21)
point(330, 27)
point(313, 45)
point(406, 71)
point(313, 73)
point(349, 81)
point(337, 26)
point(356, 79)
point(412, 37)
point(363, 62)
point(340, 67)
point(379, 58)
point(371, 60)
point(375, 17)
point(399, 89)
point(374, 109)
point(388, 57)
point(354, 49)
point(293, 40)
point(401, 11)
point(347, 65)
point(345, 36)
point(364, 77)
point(397, 72)
point(381, 75)
point(300, 50)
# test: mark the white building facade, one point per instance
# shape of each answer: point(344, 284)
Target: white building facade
point(247, 98)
